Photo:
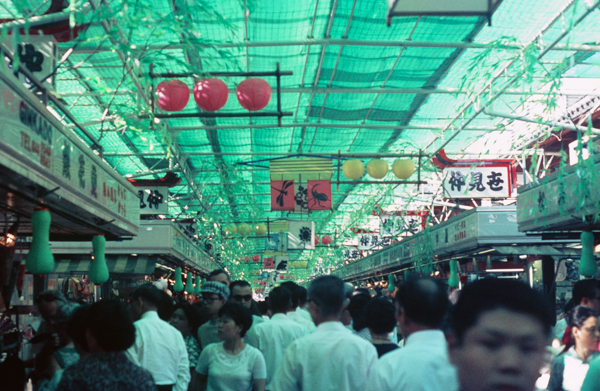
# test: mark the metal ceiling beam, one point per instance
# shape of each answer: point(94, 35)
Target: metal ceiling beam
point(496, 94)
point(378, 91)
point(346, 42)
point(143, 94)
point(334, 126)
point(315, 154)
point(44, 19)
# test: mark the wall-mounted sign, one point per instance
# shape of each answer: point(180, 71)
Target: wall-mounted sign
point(153, 200)
point(477, 181)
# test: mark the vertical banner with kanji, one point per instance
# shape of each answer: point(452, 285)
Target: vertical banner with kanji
point(319, 195)
point(282, 195)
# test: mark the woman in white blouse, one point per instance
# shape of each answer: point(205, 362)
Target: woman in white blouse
point(231, 365)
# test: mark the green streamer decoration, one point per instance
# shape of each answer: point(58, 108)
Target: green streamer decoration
point(189, 283)
point(99, 271)
point(453, 280)
point(40, 259)
point(178, 287)
point(391, 286)
point(587, 266)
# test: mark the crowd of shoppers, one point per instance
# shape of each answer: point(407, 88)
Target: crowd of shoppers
point(329, 337)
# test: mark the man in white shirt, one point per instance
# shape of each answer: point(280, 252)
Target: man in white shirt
point(241, 292)
point(331, 358)
point(294, 313)
point(423, 363)
point(274, 336)
point(159, 347)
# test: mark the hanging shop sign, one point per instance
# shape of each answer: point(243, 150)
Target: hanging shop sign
point(35, 148)
point(282, 263)
point(477, 182)
point(37, 53)
point(406, 223)
point(153, 200)
point(277, 242)
point(373, 241)
point(568, 199)
point(462, 234)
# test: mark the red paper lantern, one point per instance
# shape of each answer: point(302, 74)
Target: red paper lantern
point(211, 94)
point(256, 258)
point(327, 239)
point(317, 239)
point(172, 95)
point(253, 94)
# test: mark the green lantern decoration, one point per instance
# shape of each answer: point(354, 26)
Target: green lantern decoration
point(587, 265)
point(40, 259)
point(391, 286)
point(98, 270)
point(178, 287)
point(189, 283)
point(198, 286)
point(406, 275)
point(453, 279)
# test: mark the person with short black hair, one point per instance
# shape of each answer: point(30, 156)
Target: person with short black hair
point(219, 275)
point(331, 358)
point(274, 336)
point(109, 332)
point(241, 292)
point(232, 365)
point(581, 346)
point(302, 303)
point(380, 320)
point(499, 330)
point(423, 363)
point(293, 313)
point(159, 347)
point(586, 293)
point(186, 318)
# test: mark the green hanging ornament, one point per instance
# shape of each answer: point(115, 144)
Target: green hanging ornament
point(406, 275)
point(189, 283)
point(178, 287)
point(40, 259)
point(391, 286)
point(198, 286)
point(98, 270)
point(587, 265)
point(453, 279)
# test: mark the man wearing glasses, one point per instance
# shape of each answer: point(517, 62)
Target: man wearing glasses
point(241, 292)
point(214, 296)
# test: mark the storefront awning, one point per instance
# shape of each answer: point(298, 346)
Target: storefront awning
point(538, 250)
point(120, 264)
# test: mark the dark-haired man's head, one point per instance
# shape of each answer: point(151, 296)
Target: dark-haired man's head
point(379, 316)
point(302, 296)
point(241, 292)
point(356, 308)
point(145, 298)
point(587, 293)
point(77, 327)
point(499, 330)
point(421, 304)
point(293, 288)
point(325, 299)
point(280, 300)
point(219, 275)
point(110, 327)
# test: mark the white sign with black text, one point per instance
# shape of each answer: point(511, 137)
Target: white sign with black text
point(477, 182)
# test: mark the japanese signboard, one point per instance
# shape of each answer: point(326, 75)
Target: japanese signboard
point(282, 263)
point(301, 235)
point(38, 55)
point(55, 158)
point(477, 182)
point(408, 223)
point(153, 200)
point(373, 241)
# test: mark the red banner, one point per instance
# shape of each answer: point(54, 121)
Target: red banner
point(282, 195)
point(319, 195)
